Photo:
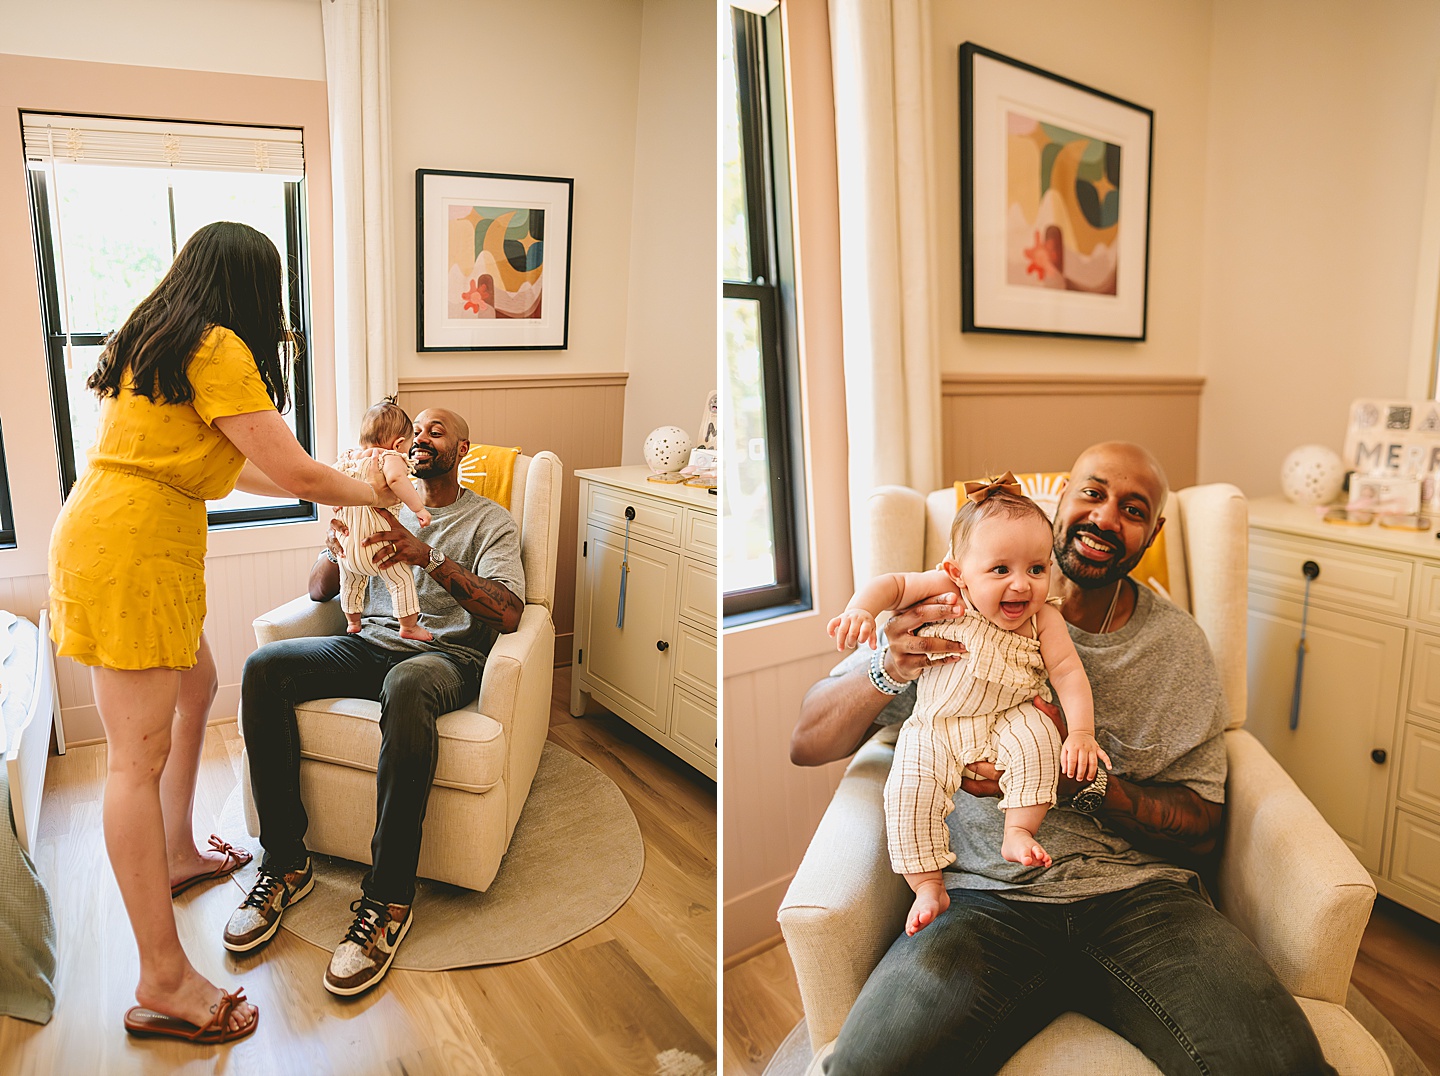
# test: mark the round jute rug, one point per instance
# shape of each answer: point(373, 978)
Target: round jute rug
point(574, 860)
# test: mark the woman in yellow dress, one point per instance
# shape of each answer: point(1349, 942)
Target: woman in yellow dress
point(191, 388)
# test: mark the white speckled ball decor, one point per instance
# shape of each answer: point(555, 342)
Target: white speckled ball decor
point(667, 449)
point(1312, 474)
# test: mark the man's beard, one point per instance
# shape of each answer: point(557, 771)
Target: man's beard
point(1086, 574)
point(438, 464)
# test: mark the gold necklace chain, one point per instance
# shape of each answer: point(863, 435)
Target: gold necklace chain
point(1114, 601)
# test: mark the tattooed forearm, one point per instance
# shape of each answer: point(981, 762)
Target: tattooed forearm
point(1170, 820)
point(486, 599)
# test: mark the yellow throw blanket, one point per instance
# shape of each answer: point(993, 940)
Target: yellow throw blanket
point(489, 470)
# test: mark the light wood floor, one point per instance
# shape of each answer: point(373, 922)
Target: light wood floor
point(634, 995)
point(1398, 970)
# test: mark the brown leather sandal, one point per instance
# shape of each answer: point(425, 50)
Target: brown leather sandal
point(235, 858)
point(142, 1022)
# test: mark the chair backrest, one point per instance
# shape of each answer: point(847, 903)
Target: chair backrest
point(535, 507)
point(1205, 554)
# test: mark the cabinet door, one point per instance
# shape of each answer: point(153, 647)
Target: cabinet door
point(694, 727)
point(625, 663)
point(1348, 707)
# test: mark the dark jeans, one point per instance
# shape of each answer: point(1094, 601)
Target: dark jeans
point(412, 689)
point(1155, 964)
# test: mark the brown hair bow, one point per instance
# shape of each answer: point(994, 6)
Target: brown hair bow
point(977, 492)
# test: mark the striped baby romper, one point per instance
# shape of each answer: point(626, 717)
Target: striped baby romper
point(977, 709)
point(358, 563)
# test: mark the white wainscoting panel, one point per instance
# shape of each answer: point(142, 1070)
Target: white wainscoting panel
point(771, 805)
point(238, 589)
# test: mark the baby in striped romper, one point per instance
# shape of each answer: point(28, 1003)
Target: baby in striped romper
point(979, 708)
point(385, 437)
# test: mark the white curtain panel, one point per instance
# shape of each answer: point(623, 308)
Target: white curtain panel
point(880, 52)
point(357, 74)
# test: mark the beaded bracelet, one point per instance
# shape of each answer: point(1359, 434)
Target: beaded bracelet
point(882, 680)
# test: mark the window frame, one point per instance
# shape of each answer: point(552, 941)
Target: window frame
point(8, 539)
point(760, 81)
point(301, 395)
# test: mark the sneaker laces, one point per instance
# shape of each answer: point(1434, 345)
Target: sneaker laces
point(263, 890)
point(368, 916)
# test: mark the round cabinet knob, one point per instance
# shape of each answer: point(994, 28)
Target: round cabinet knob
point(1378, 755)
point(1310, 570)
point(662, 646)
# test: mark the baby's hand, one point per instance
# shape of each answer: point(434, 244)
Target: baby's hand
point(853, 627)
point(423, 515)
point(1079, 757)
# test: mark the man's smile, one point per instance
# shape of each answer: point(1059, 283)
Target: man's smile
point(1092, 547)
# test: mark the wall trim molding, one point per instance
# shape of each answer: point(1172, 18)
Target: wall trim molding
point(512, 381)
point(975, 384)
point(755, 950)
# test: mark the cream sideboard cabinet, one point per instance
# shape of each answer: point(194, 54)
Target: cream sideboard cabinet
point(1366, 746)
point(658, 668)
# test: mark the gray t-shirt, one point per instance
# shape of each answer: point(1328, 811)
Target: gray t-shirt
point(1160, 715)
point(477, 534)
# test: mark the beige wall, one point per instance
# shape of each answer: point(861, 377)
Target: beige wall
point(619, 96)
point(280, 38)
point(1155, 55)
point(545, 88)
point(672, 332)
point(1320, 130)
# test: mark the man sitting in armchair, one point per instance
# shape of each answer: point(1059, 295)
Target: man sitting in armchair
point(1119, 927)
point(471, 586)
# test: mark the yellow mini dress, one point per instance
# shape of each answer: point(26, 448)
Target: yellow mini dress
point(127, 555)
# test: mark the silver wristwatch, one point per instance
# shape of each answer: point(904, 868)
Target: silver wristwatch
point(331, 557)
point(437, 558)
point(1089, 799)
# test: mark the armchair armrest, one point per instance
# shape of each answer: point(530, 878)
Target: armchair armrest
point(845, 906)
point(1287, 879)
point(1216, 542)
point(299, 619)
point(515, 691)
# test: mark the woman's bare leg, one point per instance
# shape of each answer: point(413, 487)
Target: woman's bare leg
point(137, 709)
point(177, 783)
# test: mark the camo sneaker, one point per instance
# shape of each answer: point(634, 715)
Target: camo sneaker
point(258, 917)
point(364, 957)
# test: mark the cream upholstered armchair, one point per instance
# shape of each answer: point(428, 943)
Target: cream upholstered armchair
point(489, 750)
point(1286, 879)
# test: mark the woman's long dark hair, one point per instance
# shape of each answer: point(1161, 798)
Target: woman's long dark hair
point(226, 274)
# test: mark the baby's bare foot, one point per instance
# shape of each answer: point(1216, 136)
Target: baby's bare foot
point(1021, 847)
point(352, 627)
point(417, 632)
point(930, 900)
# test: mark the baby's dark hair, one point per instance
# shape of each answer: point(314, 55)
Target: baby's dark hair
point(1000, 503)
point(383, 423)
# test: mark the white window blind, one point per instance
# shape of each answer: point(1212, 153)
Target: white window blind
point(162, 143)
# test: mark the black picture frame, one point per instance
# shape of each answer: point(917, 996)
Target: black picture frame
point(1019, 126)
point(484, 315)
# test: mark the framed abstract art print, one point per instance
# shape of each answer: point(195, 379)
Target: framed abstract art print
point(1055, 203)
point(492, 256)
